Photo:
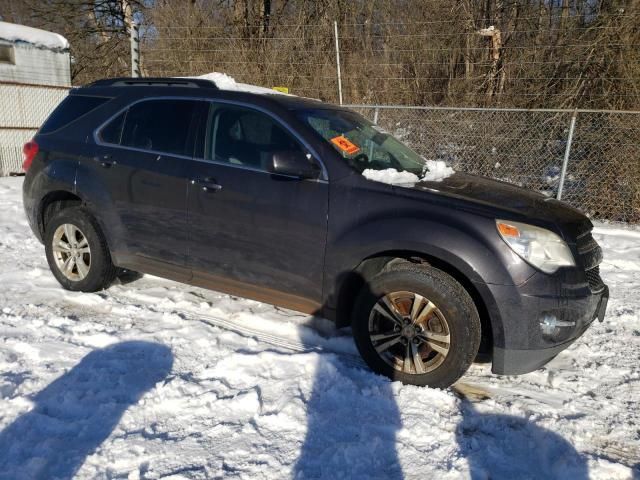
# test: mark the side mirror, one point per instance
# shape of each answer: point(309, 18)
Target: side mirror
point(294, 164)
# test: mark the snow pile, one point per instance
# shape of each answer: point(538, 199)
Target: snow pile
point(435, 171)
point(225, 82)
point(391, 176)
point(156, 379)
point(40, 38)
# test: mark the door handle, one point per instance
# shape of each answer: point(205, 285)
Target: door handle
point(105, 161)
point(207, 184)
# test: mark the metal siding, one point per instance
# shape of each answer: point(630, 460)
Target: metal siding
point(37, 65)
point(23, 108)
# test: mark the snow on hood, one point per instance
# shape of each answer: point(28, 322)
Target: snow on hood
point(225, 82)
point(40, 38)
point(391, 176)
point(436, 171)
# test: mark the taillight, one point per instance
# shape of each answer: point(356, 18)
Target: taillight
point(29, 152)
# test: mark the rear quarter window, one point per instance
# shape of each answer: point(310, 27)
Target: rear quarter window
point(69, 110)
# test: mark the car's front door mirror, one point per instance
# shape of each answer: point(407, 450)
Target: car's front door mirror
point(295, 164)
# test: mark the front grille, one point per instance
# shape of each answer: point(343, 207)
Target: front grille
point(595, 281)
point(590, 256)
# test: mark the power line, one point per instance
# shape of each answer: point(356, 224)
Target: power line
point(262, 62)
point(378, 36)
point(366, 78)
point(272, 25)
point(413, 50)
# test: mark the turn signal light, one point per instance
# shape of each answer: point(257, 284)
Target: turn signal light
point(508, 230)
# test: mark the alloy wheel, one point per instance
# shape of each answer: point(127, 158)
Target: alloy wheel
point(71, 252)
point(409, 332)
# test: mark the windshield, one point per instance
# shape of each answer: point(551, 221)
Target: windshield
point(364, 145)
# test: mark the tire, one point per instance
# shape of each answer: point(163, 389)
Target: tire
point(91, 268)
point(426, 302)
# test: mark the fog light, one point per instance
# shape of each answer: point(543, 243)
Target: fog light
point(550, 325)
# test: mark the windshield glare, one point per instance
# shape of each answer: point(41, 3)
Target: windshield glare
point(361, 143)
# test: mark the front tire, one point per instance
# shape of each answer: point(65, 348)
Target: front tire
point(416, 324)
point(77, 251)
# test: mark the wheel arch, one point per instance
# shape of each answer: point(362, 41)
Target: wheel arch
point(57, 200)
point(54, 202)
point(356, 278)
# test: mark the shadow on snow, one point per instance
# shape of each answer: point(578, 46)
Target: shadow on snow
point(353, 422)
point(508, 447)
point(73, 415)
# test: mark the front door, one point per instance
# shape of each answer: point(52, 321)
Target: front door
point(255, 233)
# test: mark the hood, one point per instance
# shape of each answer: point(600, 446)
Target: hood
point(517, 203)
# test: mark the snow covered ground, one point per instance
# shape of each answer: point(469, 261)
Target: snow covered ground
point(154, 379)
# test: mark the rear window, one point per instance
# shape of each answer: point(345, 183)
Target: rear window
point(71, 108)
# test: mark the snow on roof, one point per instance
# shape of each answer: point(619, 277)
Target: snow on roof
point(40, 38)
point(225, 82)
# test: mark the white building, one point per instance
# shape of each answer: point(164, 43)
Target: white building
point(35, 76)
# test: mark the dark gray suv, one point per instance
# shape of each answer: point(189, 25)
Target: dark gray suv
point(275, 198)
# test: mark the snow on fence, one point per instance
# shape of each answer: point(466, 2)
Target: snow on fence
point(23, 108)
point(588, 158)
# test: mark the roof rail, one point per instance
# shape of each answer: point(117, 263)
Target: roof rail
point(154, 82)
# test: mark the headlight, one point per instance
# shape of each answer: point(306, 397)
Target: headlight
point(540, 247)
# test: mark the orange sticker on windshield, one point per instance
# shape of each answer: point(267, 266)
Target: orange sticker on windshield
point(345, 145)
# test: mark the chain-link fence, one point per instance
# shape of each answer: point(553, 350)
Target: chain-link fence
point(23, 108)
point(594, 166)
point(601, 160)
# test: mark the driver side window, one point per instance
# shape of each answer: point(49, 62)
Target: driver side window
point(245, 137)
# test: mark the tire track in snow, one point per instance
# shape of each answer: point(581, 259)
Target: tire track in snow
point(473, 390)
point(275, 340)
point(151, 303)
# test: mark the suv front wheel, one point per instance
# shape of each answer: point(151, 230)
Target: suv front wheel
point(77, 251)
point(416, 324)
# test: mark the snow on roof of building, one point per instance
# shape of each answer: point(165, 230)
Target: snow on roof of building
point(225, 82)
point(40, 38)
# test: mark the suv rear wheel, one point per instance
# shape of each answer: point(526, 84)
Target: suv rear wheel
point(416, 324)
point(77, 251)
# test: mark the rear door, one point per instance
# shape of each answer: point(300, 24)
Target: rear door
point(143, 154)
point(255, 233)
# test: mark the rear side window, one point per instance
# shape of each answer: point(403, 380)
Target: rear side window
point(158, 125)
point(69, 110)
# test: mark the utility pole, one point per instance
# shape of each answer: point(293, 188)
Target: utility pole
point(134, 34)
point(335, 29)
point(135, 50)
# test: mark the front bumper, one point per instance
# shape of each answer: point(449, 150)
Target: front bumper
point(540, 319)
point(516, 362)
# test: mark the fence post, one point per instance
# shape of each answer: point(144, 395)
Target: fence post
point(567, 152)
point(135, 50)
point(335, 29)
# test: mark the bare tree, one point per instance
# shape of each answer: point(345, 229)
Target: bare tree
point(568, 53)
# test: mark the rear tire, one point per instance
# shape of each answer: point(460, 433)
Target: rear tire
point(77, 251)
point(416, 324)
